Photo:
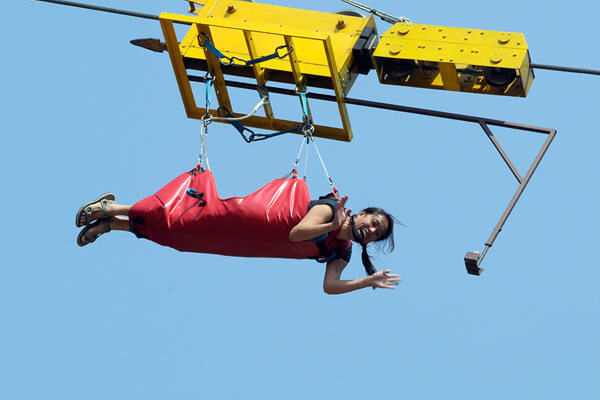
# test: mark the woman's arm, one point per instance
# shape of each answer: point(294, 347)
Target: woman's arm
point(320, 220)
point(332, 284)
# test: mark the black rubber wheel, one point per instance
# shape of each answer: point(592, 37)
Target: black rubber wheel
point(499, 77)
point(398, 69)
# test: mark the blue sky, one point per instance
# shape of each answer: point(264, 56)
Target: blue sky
point(84, 112)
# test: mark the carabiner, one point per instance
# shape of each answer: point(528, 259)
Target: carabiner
point(284, 47)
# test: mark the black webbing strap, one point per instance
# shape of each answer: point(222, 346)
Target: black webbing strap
point(231, 60)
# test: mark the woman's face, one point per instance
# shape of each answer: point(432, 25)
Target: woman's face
point(370, 227)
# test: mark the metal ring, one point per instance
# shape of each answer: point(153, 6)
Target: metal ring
point(286, 54)
point(209, 77)
point(308, 129)
point(303, 90)
point(201, 43)
point(206, 118)
point(232, 59)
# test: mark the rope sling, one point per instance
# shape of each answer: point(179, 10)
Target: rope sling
point(306, 128)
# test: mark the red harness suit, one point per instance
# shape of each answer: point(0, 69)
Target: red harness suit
point(188, 215)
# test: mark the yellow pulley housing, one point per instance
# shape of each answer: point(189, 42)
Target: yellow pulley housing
point(461, 59)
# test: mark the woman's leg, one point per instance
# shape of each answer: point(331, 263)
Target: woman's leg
point(115, 224)
point(113, 209)
point(119, 224)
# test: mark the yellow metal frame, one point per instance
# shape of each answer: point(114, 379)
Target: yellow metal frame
point(450, 49)
point(340, 75)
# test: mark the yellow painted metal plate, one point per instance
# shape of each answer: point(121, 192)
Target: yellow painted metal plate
point(439, 50)
point(455, 45)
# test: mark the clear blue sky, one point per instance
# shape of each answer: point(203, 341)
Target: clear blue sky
point(84, 112)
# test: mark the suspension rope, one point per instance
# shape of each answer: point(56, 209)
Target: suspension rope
point(308, 130)
point(203, 150)
point(566, 69)
point(105, 9)
point(329, 179)
point(264, 100)
point(205, 121)
point(295, 166)
point(308, 138)
point(294, 172)
point(384, 16)
point(235, 121)
point(305, 158)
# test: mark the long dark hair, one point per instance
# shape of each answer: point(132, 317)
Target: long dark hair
point(385, 242)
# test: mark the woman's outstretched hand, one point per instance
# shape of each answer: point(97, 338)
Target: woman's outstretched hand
point(340, 213)
point(383, 279)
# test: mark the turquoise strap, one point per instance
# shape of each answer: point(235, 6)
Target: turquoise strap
point(209, 83)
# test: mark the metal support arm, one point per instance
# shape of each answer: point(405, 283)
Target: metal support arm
point(474, 259)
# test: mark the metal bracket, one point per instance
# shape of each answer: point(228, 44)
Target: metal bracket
point(474, 259)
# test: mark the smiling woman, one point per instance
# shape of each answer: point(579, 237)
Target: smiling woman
point(370, 225)
point(278, 220)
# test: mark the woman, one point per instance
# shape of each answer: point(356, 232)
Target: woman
point(278, 220)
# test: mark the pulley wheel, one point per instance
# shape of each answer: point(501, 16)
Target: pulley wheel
point(499, 77)
point(398, 69)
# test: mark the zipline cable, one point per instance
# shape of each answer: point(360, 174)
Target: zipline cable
point(566, 69)
point(157, 18)
point(105, 9)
